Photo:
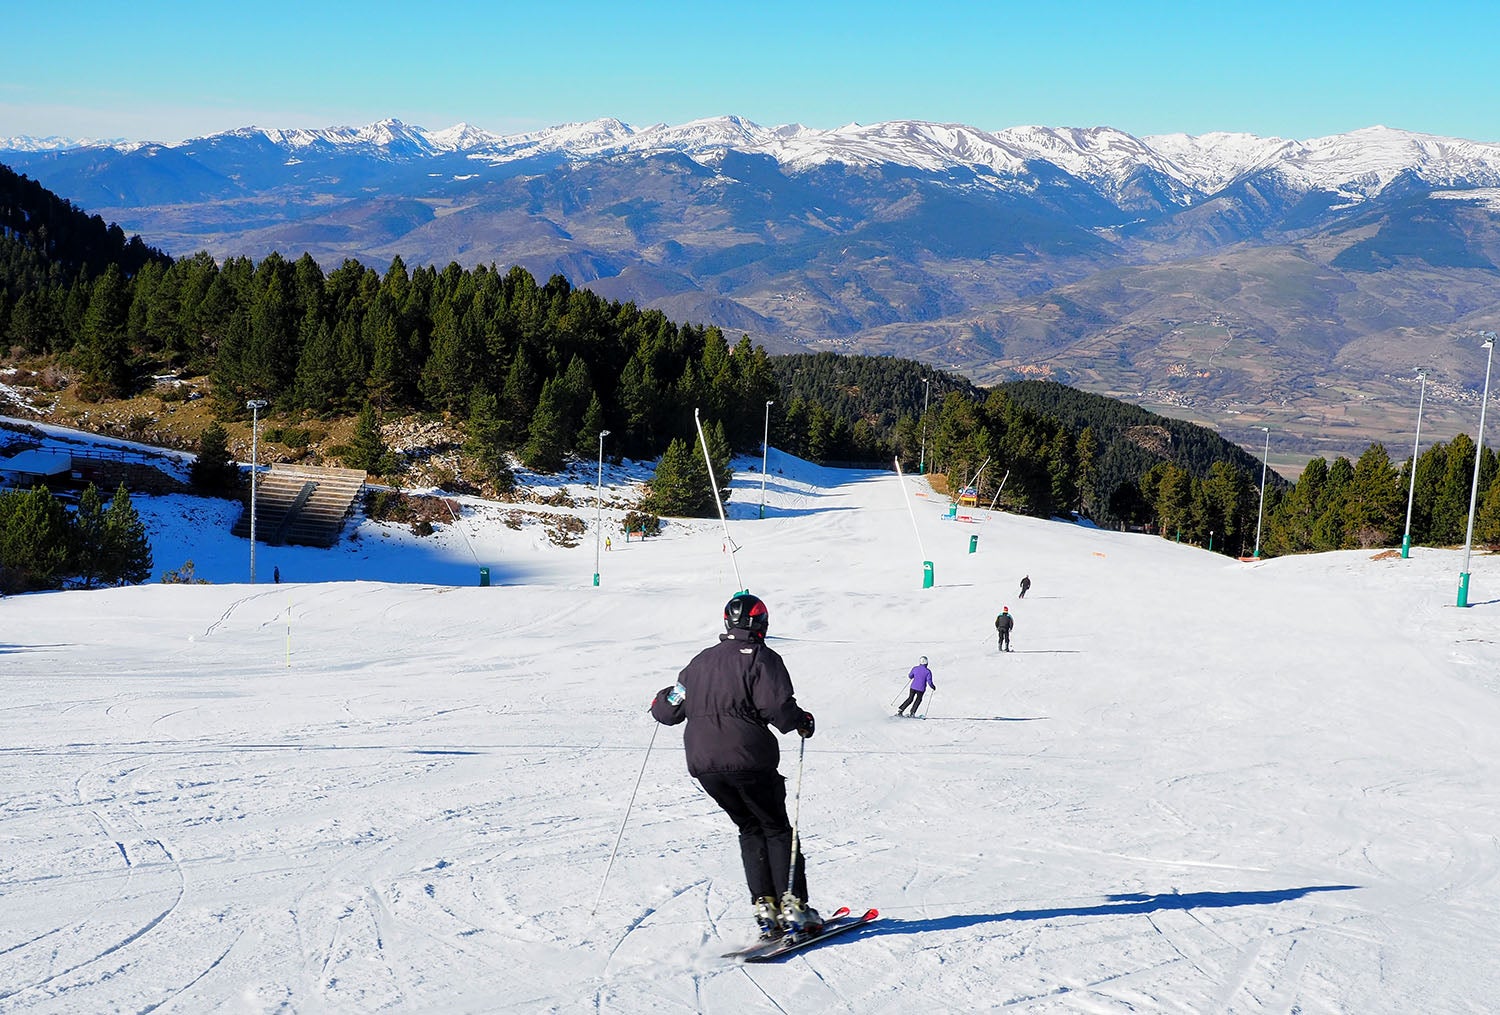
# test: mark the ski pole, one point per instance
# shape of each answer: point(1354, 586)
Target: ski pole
point(791, 877)
point(610, 866)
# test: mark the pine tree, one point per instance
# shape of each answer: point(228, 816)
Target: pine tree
point(585, 444)
point(719, 453)
point(106, 346)
point(1086, 472)
point(214, 473)
point(1373, 509)
point(36, 539)
point(367, 448)
point(679, 487)
point(486, 442)
point(1328, 532)
point(546, 442)
point(90, 538)
point(1450, 510)
point(127, 551)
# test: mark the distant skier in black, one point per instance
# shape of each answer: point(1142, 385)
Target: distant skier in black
point(276, 575)
point(1003, 624)
point(730, 694)
point(1025, 586)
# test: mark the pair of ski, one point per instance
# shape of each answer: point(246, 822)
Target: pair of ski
point(839, 922)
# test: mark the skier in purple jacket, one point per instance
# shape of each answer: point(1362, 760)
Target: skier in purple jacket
point(921, 680)
point(729, 695)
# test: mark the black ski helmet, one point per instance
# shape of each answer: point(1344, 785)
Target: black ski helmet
point(746, 612)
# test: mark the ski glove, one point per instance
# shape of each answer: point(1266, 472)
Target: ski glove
point(805, 727)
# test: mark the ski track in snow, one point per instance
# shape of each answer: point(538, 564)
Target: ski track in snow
point(1197, 785)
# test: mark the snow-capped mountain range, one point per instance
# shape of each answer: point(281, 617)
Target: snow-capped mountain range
point(1207, 272)
point(1358, 164)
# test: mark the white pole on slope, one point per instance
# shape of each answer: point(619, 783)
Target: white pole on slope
point(997, 495)
point(1260, 513)
point(1484, 401)
point(765, 447)
point(1411, 491)
point(926, 564)
point(598, 506)
point(714, 483)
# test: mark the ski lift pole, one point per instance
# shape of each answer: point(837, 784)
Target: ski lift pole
point(926, 564)
point(714, 482)
point(997, 495)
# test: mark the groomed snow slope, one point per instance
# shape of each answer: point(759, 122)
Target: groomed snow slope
point(1197, 785)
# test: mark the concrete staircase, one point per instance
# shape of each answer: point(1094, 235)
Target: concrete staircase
point(302, 504)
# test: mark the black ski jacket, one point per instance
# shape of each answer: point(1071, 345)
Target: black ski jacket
point(1004, 622)
point(735, 690)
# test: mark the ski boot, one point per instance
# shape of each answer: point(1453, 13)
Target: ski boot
point(768, 918)
point(798, 919)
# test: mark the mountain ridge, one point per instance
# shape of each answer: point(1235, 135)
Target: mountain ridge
point(1366, 160)
point(1126, 266)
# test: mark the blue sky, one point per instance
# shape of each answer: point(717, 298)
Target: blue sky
point(169, 70)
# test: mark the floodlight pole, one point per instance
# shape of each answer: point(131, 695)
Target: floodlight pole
point(1411, 491)
point(922, 458)
point(598, 505)
point(1463, 579)
point(254, 405)
point(1260, 513)
point(765, 447)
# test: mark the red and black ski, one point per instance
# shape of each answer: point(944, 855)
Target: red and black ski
point(838, 923)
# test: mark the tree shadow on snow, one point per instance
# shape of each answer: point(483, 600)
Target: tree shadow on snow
point(1117, 905)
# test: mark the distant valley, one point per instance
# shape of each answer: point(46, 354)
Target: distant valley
point(1233, 280)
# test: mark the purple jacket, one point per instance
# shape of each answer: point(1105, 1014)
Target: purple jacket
point(735, 691)
point(921, 678)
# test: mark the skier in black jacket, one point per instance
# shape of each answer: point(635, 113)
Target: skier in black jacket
point(729, 695)
point(1003, 624)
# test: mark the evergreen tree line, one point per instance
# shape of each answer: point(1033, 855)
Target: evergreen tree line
point(45, 242)
point(1356, 505)
point(43, 545)
point(1056, 449)
point(538, 369)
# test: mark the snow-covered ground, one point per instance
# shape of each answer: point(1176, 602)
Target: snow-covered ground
point(1197, 785)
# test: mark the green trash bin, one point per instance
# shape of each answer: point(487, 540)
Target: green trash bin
point(484, 577)
point(973, 542)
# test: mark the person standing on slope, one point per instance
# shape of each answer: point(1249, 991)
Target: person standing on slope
point(1025, 586)
point(729, 695)
point(921, 680)
point(1003, 624)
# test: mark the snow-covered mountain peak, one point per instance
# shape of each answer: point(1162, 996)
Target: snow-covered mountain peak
point(1357, 164)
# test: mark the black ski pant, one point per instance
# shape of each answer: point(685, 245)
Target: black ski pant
point(1004, 641)
point(914, 699)
point(756, 803)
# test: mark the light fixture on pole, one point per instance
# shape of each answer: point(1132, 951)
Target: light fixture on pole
point(598, 505)
point(1463, 579)
point(1260, 513)
point(765, 446)
point(1411, 491)
point(922, 458)
point(254, 405)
